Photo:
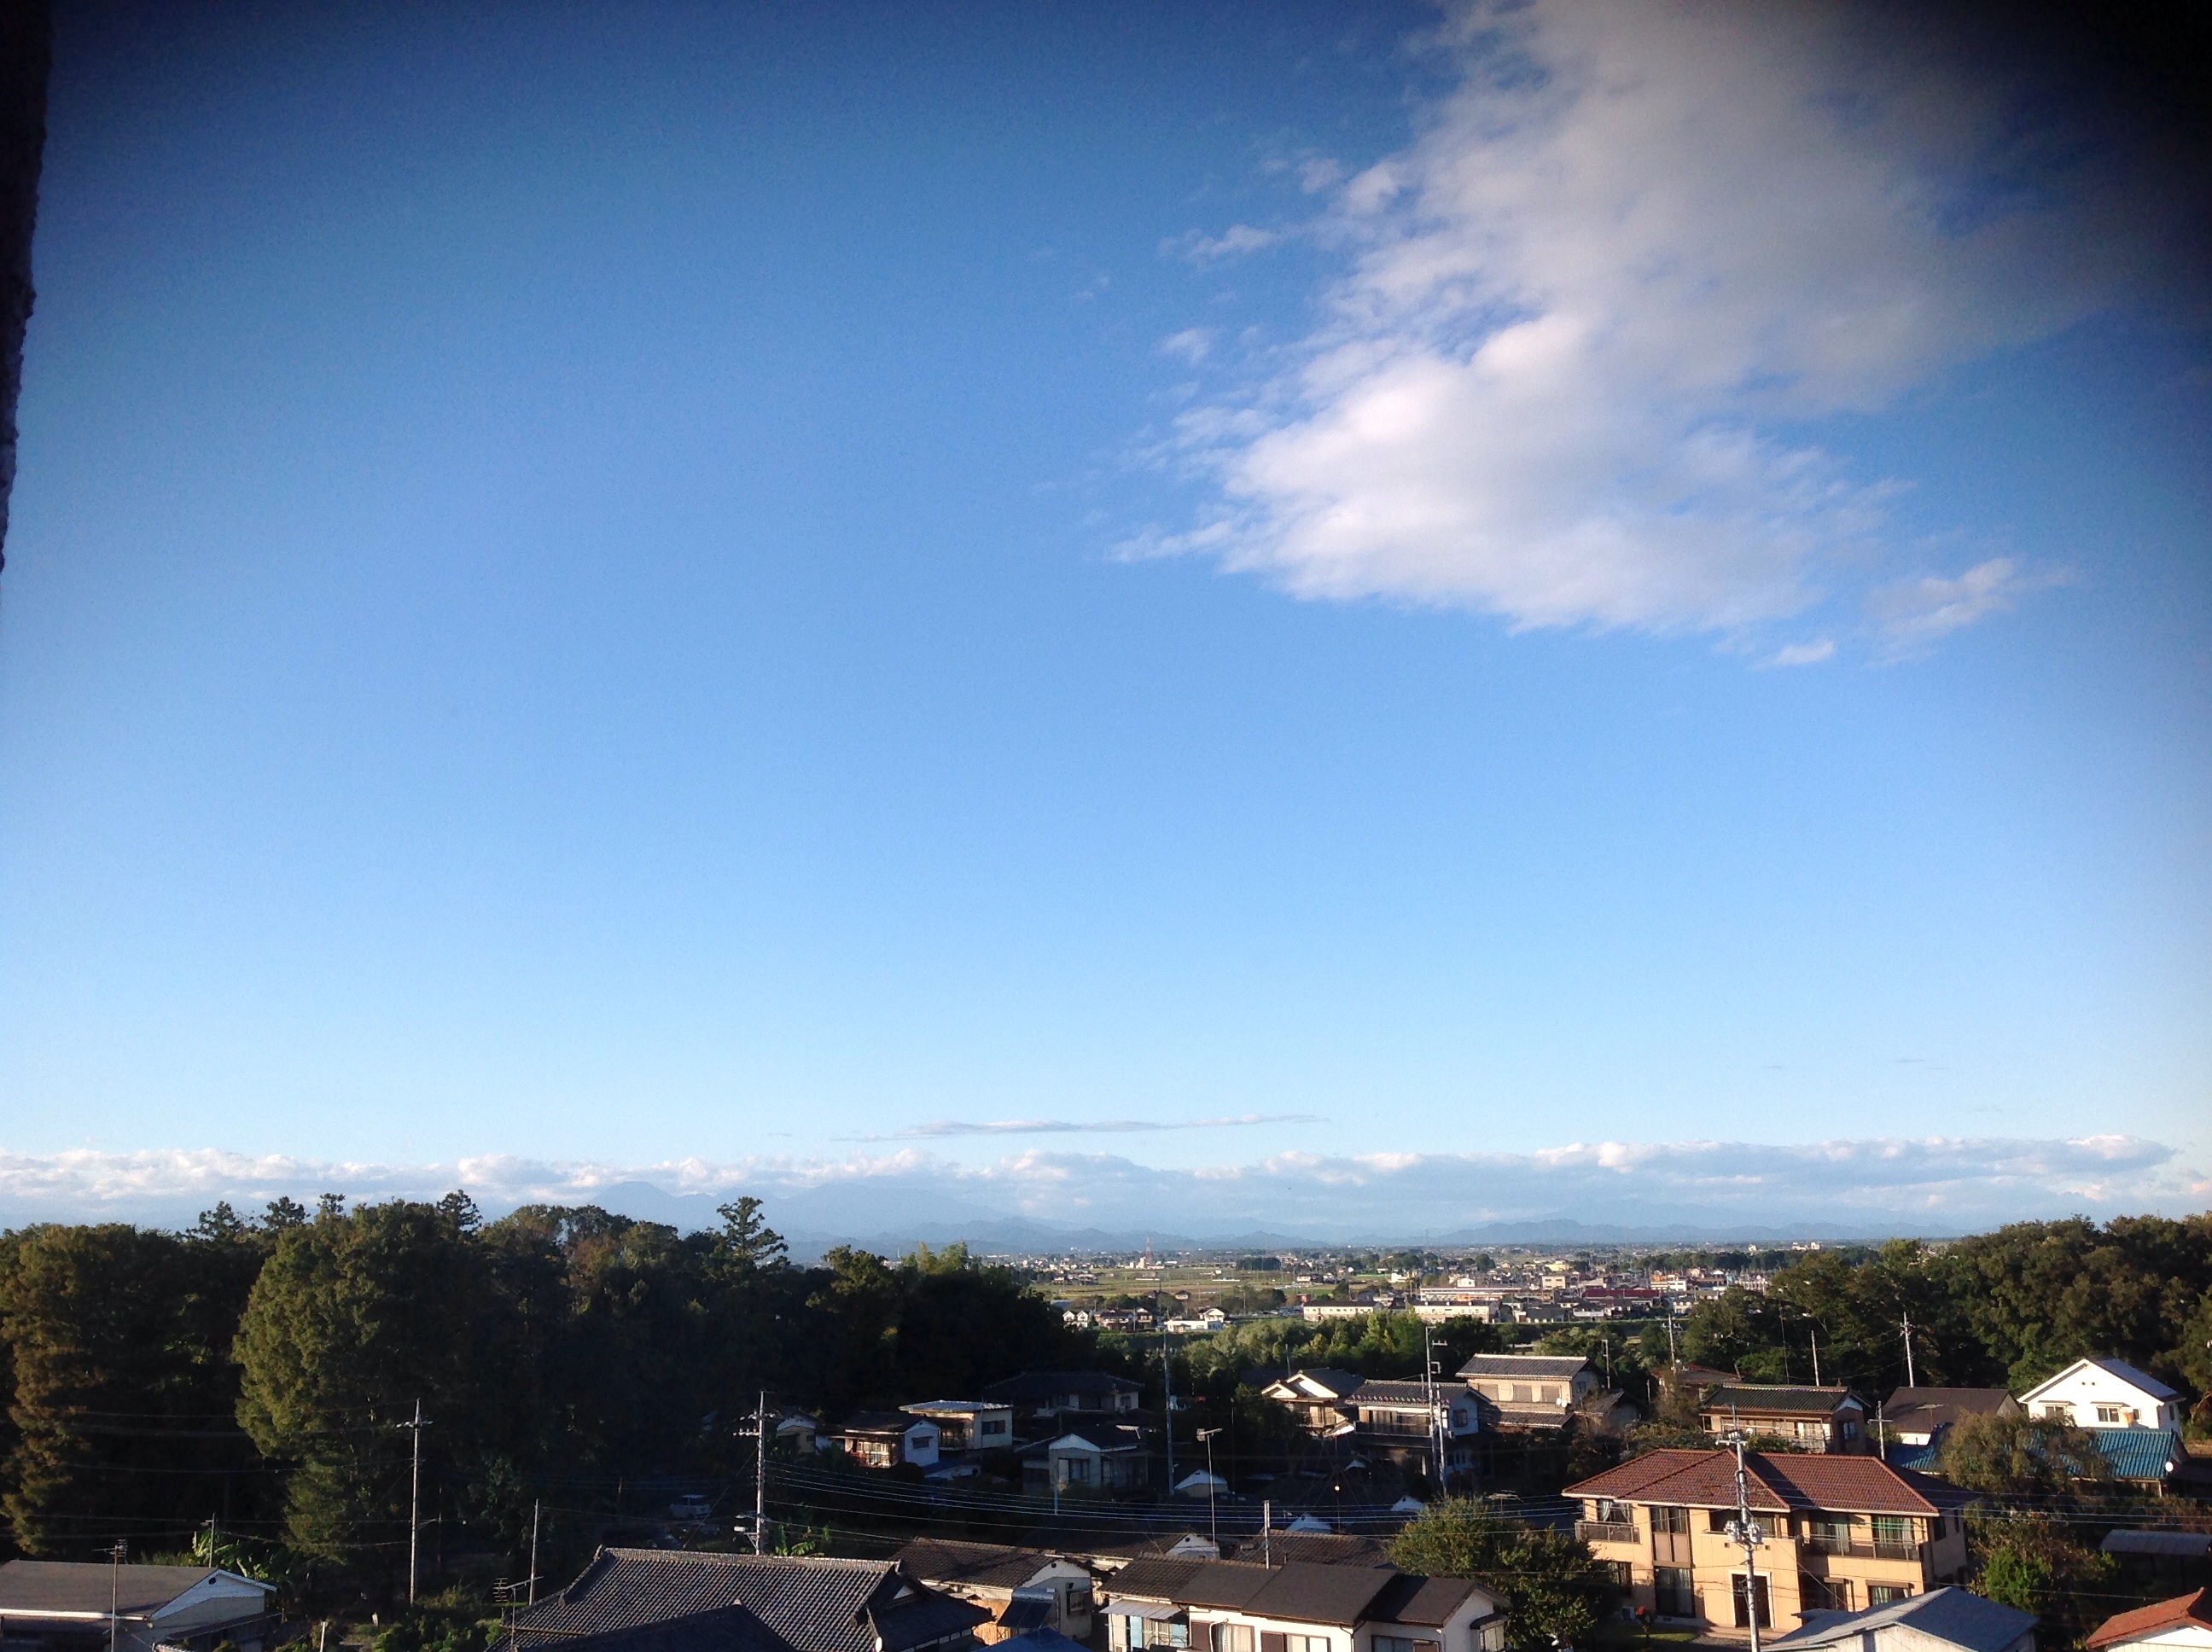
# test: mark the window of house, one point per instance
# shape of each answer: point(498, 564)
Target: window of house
point(1305, 1643)
point(1232, 1638)
point(1888, 1594)
point(2109, 1414)
point(994, 1426)
point(1402, 1644)
point(1676, 1596)
point(1892, 1531)
point(1717, 1519)
point(1851, 1430)
point(1750, 1599)
point(1618, 1573)
point(1825, 1593)
point(1664, 1518)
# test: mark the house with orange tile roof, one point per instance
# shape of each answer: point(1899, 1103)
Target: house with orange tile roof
point(1841, 1533)
point(2184, 1624)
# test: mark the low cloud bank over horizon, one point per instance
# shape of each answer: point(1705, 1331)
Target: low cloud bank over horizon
point(1932, 1185)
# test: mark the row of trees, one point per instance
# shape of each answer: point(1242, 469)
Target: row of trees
point(260, 1373)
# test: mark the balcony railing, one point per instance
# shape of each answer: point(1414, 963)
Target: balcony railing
point(1606, 1531)
point(1863, 1548)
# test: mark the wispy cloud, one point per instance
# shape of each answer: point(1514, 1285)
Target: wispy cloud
point(1636, 246)
point(1233, 242)
point(1804, 654)
point(1936, 1183)
point(1912, 615)
point(939, 1128)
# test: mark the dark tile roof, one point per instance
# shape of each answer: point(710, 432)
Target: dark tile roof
point(1304, 1593)
point(82, 1586)
point(1321, 1548)
point(1409, 1394)
point(1780, 1483)
point(726, 1628)
point(1428, 1601)
point(981, 1565)
point(1298, 1591)
point(1762, 1398)
point(1538, 1366)
point(813, 1605)
point(1930, 1408)
point(1191, 1583)
point(1043, 1387)
point(1339, 1383)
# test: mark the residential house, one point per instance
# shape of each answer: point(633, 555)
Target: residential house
point(1228, 1606)
point(1531, 1390)
point(1043, 1400)
point(1815, 1420)
point(1943, 1620)
point(1914, 1417)
point(2106, 1393)
point(965, 1425)
point(69, 1606)
point(800, 1603)
point(1395, 1421)
point(1095, 1457)
point(1319, 1397)
point(1841, 1532)
point(1024, 1589)
point(884, 1439)
point(795, 1431)
point(2181, 1624)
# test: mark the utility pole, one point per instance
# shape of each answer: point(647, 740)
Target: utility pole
point(1167, 1392)
point(114, 1587)
point(1212, 1517)
point(415, 1501)
point(1266, 1531)
point(532, 1600)
point(1672, 1357)
point(1744, 1530)
point(1813, 1330)
point(211, 1551)
point(1910, 1381)
point(760, 1476)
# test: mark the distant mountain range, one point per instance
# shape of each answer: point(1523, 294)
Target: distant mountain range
point(892, 1219)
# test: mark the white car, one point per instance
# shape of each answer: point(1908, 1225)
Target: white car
point(691, 1507)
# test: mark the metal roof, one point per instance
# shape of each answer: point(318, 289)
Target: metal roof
point(2183, 1611)
point(1321, 1548)
point(1298, 1591)
point(1949, 1615)
point(80, 1587)
point(2180, 1545)
point(1426, 1601)
point(2138, 1454)
point(2120, 1368)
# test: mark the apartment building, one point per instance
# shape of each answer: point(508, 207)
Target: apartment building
point(1841, 1533)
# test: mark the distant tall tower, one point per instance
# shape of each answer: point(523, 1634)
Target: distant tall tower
point(1148, 1261)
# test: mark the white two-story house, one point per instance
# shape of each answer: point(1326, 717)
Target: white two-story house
point(2104, 1393)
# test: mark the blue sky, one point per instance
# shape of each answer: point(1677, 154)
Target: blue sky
point(740, 598)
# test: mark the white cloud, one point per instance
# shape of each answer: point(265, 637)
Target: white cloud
point(1194, 344)
point(1580, 309)
point(1943, 1183)
point(939, 1128)
point(1233, 242)
point(1804, 654)
point(1913, 614)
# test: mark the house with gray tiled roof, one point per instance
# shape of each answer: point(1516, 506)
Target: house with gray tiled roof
point(1531, 1391)
point(1943, 1620)
point(1228, 1606)
point(1814, 1420)
point(802, 1603)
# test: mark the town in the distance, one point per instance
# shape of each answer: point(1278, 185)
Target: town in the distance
point(399, 1427)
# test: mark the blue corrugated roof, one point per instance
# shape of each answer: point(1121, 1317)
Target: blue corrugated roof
point(2138, 1454)
point(1918, 1457)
